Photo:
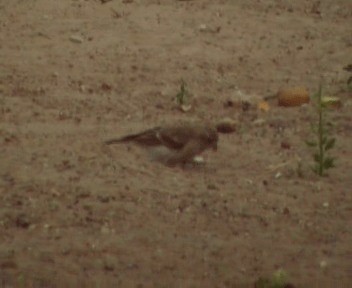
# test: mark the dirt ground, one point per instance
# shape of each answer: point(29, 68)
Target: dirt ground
point(75, 213)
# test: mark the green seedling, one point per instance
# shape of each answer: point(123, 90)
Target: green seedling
point(183, 95)
point(279, 279)
point(323, 142)
point(21, 281)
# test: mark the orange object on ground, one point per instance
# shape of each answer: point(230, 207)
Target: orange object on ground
point(294, 96)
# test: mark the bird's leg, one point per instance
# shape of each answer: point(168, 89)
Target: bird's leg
point(191, 149)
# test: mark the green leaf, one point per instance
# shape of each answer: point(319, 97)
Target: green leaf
point(182, 94)
point(279, 279)
point(330, 124)
point(179, 98)
point(311, 143)
point(316, 157)
point(349, 81)
point(328, 163)
point(330, 143)
point(324, 138)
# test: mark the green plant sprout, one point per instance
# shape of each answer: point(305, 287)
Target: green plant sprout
point(182, 95)
point(323, 142)
point(279, 279)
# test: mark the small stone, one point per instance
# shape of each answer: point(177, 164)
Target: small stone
point(46, 226)
point(198, 160)
point(278, 175)
point(206, 28)
point(323, 264)
point(249, 181)
point(259, 122)
point(203, 27)
point(32, 227)
point(326, 204)
point(76, 39)
point(185, 108)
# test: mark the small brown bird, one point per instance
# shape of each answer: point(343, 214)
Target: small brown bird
point(183, 141)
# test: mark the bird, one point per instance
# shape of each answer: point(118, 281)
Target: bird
point(183, 141)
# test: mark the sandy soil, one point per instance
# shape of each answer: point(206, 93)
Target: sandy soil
point(74, 213)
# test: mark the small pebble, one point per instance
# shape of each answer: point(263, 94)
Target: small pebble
point(278, 175)
point(259, 122)
point(76, 39)
point(323, 264)
point(198, 160)
point(203, 27)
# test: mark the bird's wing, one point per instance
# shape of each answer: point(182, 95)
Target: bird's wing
point(174, 137)
point(177, 136)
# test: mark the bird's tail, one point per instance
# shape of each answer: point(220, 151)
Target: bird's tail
point(122, 139)
point(112, 141)
point(146, 138)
